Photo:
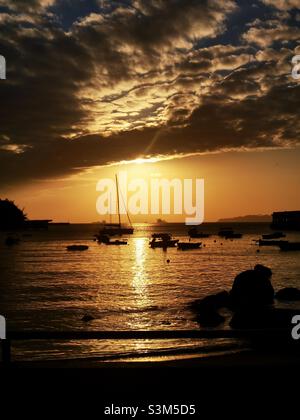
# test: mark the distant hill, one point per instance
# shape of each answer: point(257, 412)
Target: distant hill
point(249, 218)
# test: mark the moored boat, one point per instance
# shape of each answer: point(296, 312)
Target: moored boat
point(289, 246)
point(274, 235)
point(163, 240)
point(105, 239)
point(184, 246)
point(225, 232)
point(117, 242)
point(77, 247)
point(117, 229)
point(266, 242)
point(193, 233)
point(163, 244)
point(233, 235)
point(163, 236)
point(228, 233)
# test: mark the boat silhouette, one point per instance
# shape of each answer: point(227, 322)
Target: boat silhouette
point(163, 240)
point(184, 246)
point(267, 242)
point(77, 247)
point(289, 246)
point(117, 229)
point(228, 233)
point(234, 235)
point(193, 233)
point(274, 235)
point(105, 239)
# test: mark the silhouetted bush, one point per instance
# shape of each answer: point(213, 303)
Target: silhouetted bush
point(11, 217)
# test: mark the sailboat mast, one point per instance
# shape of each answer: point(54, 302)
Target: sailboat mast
point(110, 209)
point(118, 200)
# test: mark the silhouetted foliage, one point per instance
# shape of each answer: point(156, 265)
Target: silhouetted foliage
point(11, 217)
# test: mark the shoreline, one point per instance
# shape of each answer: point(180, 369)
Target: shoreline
point(243, 358)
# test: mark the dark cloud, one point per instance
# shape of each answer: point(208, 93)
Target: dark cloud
point(26, 5)
point(131, 81)
point(282, 4)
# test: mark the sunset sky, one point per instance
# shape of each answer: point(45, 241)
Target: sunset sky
point(201, 88)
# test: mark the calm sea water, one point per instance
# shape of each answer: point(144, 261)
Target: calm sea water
point(133, 287)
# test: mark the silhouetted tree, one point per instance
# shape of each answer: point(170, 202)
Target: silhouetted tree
point(11, 217)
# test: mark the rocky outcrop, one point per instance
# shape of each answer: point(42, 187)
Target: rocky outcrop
point(288, 293)
point(218, 300)
point(206, 309)
point(252, 288)
point(251, 301)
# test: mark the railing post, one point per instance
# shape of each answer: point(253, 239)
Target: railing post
point(6, 352)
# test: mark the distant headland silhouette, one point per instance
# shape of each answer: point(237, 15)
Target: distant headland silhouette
point(249, 218)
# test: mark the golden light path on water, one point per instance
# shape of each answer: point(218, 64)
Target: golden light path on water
point(131, 287)
point(140, 277)
point(139, 283)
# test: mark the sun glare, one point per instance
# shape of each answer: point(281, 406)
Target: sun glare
point(140, 161)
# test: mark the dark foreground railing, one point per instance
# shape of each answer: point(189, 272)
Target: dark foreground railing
point(135, 335)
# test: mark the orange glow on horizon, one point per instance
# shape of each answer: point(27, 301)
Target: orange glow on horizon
point(229, 189)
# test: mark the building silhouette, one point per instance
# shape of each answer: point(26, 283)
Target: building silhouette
point(286, 220)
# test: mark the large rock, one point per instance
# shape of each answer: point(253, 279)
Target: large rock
point(206, 309)
point(209, 318)
point(252, 288)
point(217, 301)
point(288, 293)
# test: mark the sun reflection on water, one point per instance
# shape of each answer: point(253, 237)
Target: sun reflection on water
point(140, 283)
point(140, 276)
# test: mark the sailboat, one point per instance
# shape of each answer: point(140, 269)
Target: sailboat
point(114, 229)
